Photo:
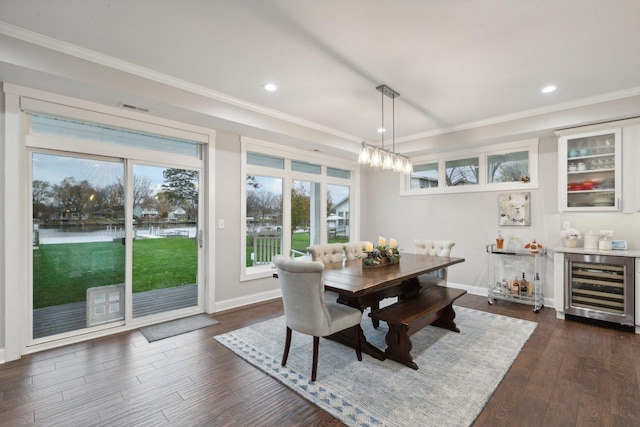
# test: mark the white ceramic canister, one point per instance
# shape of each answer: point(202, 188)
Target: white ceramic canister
point(592, 240)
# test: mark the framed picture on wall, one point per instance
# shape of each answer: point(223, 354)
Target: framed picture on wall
point(514, 208)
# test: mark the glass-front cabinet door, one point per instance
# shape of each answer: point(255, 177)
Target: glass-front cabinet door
point(589, 174)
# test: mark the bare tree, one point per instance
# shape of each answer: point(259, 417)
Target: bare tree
point(462, 175)
point(141, 190)
point(41, 193)
point(74, 195)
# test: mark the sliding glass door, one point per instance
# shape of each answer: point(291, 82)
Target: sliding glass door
point(80, 231)
point(78, 268)
point(166, 239)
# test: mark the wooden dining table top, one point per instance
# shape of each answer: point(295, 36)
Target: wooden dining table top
point(351, 278)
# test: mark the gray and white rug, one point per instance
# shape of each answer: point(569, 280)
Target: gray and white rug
point(456, 377)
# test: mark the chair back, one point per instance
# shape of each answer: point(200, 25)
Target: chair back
point(302, 288)
point(327, 254)
point(434, 247)
point(353, 250)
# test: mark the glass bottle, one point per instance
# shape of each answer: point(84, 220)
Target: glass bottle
point(499, 241)
point(524, 286)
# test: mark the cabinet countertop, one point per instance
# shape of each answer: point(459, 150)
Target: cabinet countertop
point(628, 253)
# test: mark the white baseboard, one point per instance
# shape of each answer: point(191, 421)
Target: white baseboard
point(2, 356)
point(246, 300)
point(475, 290)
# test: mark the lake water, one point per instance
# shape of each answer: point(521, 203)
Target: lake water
point(109, 233)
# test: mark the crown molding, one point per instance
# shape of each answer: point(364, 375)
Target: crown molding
point(583, 102)
point(165, 79)
point(111, 62)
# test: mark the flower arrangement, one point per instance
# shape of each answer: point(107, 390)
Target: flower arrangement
point(570, 234)
point(381, 254)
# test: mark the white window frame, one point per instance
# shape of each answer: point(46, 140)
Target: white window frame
point(249, 144)
point(482, 153)
point(17, 230)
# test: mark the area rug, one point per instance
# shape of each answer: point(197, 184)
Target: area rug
point(176, 327)
point(457, 374)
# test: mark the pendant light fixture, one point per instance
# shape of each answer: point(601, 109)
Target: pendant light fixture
point(379, 156)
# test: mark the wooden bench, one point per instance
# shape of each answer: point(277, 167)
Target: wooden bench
point(432, 306)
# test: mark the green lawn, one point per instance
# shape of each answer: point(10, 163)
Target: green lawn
point(63, 272)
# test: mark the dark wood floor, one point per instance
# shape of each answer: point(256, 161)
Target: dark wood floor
point(568, 374)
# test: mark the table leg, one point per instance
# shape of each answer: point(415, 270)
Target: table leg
point(346, 337)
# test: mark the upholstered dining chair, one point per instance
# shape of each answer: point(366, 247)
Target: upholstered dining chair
point(327, 254)
point(305, 308)
point(353, 250)
point(434, 248)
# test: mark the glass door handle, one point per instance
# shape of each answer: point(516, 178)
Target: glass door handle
point(200, 238)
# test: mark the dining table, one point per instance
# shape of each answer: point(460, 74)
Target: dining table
point(362, 287)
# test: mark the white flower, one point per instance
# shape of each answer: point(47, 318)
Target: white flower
point(570, 233)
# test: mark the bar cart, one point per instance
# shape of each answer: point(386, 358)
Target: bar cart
point(516, 276)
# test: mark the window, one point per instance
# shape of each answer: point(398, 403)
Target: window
point(425, 176)
point(461, 172)
point(338, 213)
point(106, 198)
point(509, 166)
point(264, 219)
point(290, 203)
point(66, 127)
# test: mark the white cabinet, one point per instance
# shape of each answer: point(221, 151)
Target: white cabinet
point(590, 171)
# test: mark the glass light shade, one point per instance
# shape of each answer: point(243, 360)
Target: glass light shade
point(399, 164)
point(364, 157)
point(376, 159)
point(408, 167)
point(388, 161)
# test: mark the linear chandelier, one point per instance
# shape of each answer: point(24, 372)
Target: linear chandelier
point(376, 156)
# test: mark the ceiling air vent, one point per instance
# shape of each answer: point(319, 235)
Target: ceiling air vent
point(133, 107)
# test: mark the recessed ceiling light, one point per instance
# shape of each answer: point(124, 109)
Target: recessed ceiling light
point(270, 87)
point(549, 89)
point(381, 130)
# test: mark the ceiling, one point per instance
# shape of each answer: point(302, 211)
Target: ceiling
point(456, 64)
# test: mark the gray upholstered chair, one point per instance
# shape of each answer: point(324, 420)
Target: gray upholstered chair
point(434, 248)
point(327, 254)
point(352, 250)
point(305, 308)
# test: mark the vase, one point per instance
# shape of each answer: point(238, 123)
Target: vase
point(570, 243)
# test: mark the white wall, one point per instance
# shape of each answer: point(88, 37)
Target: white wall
point(230, 292)
point(471, 219)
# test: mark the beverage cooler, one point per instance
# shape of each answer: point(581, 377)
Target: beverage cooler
point(600, 287)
